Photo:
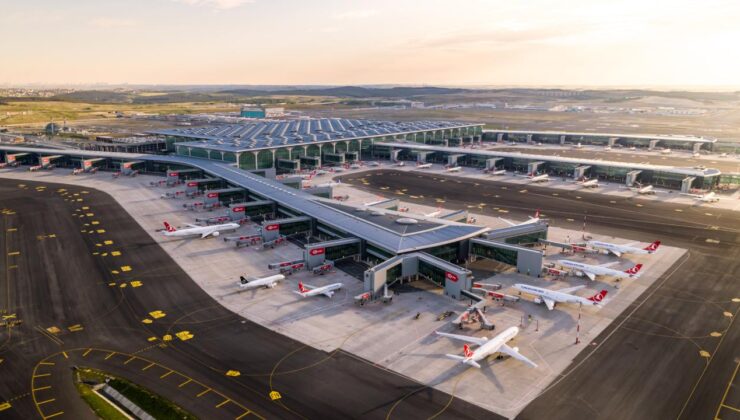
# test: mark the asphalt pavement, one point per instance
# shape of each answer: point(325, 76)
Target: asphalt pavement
point(674, 353)
point(81, 284)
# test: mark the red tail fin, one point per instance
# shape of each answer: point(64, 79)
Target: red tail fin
point(467, 352)
point(598, 297)
point(169, 227)
point(301, 288)
point(653, 246)
point(537, 214)
point(634, 270)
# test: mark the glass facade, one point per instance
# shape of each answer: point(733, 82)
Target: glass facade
point(342, 251)
point(531, 238)
point(447, 252)
point(432, 272)
point(247, 161)
point(492, 252)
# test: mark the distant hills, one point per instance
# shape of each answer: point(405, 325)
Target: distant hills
point(267, 94)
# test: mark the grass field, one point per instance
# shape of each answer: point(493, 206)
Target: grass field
point(16, 113)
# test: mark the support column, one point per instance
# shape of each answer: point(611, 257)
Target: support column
point(653, 143)
point(500, 137)
point(529, 138)
point(562, 139)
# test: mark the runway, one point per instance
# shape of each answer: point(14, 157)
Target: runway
point(81, 284)
point(675, 351)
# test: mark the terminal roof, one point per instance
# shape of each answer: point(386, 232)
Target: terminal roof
point(276, 133)
point(382, 231)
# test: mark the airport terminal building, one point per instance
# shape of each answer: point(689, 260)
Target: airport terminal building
point(291, 145)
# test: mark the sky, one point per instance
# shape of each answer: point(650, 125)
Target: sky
point(331, 42)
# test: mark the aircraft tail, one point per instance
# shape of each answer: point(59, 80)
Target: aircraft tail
point(169, 227)
point(243, 280)
point(598, 297)
point(634, 270)
point(467, 352)
point(652, 247)
point(301, 287)
point(537, 214)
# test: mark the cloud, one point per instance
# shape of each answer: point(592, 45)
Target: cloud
point(355, 14)
point(216, 4)
point(109, 23)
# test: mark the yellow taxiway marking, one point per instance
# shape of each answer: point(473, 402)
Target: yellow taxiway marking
point(184, 335)
point(108, 242)
point(95, 222)
point(150, 339)
point(12, 229)
point(147, 366)
point(157, 314)
point(136, 283)
point(115, 253)
point(76, 327)
point(126, 268)
point(42, 388)
point(716, 334)
point(86, 352)
point(704, 353)
point(233, 373)
point(89, 214)
point(41, 375)
point(111, 354)
point(47, 363)
point(129, 360)
point(85, 208)
point(727, 390)
point(11, 254)
point(146, 321)
point(274, 395)
point(207, 390)
point(65, 355)
point(100, 230)
point(47, 401)
point(246, 413)
point(222, 403)
point(166, 374)
point(54, 415)
point(185, 383)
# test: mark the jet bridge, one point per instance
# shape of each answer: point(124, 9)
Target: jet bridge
point(452, 159)
point(389, 204)
point(47, 161)
point(273, 229)
point(317, 253)
point(14, 159)
point(92, 164)
point(193, 186)
point(251, 209)
point(421, 156)
point(686, 184)
point(491, 163)
point(128, 168)
point(453, 278)
point(631, 177)
point(533, 167)
point(456, 216)
point(580, 171)
point(174, 176)
point(225, 195)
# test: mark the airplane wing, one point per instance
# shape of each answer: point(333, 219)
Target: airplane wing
point(206, 233)
point(571, 289)
point(591, 276)
point(508, 221)
point(190, 225)
point(466, 338)
point(550, 303)
point(515, 354)
point(328, 293)
point(609, 264)
point(615, 252)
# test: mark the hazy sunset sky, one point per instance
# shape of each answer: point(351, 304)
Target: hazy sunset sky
point(443, 42)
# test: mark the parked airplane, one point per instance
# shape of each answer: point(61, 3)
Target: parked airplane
point(538, 178)
point(306, 290)
point(591, 271)
point(400, 163)
point(498, 172)
point(618, 250)
point(35, 168)
point(589, 183)
point(434, 213)
point(552, 297)
point(665, 152)
point(710, 197)
point(203, 231)
point(268, 282)
point(640, 189)
point(531, 220)
point(454, 169)
point(578, 146)
point(423, 165)
point(487, 347)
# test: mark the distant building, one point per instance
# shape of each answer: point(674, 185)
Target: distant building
point(261, 112)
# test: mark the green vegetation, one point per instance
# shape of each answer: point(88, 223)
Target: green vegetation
point(102, 408)
point(155, 405)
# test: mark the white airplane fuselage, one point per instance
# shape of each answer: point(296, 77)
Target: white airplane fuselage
point(327, 290)
point(454, 169)
point(268, 282)
point(593, 270)
point(424, 166)
point(554, 295)
point(493, 345)
point(616, 248)
point(591, 183)
point(203, 231)
point(540, 178)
